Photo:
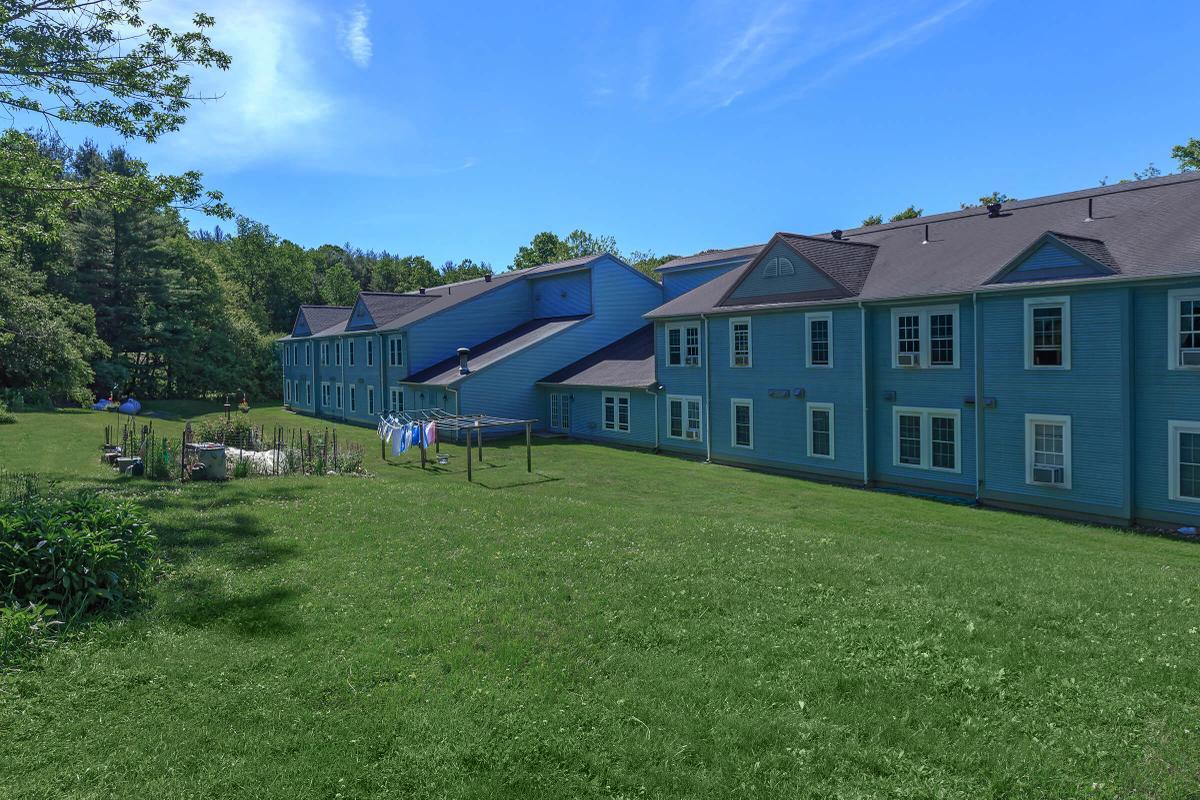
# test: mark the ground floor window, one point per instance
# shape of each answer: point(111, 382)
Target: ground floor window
point(325, 395)
point(742, 415)
point(353, 398)
point(615, 406)
point(370, 399)
point(287, 391)
point(560, 412)
point(1048, 450)
point(926, 438)
point(395, 399)
point(684, 418)
point(338, 394)
point(308, 393)
point(820, 430)
point(1185, 460)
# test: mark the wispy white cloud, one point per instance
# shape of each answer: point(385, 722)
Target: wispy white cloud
point(352, 32)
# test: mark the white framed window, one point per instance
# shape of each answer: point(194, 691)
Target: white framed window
point(927, 438)
point(308, 393)
point(739, 342)
point(614, 408)
point(820, 430)
point(1048, 450)
point(774, 267)
point(296, 354)
point(1183, 329)
point(287, 391)
point(326, 396)
point(683, 418)
point(925, 337)
point(352, 396)
point(370, 399)
point(819, 327)
point(1184, 452)
point(337, 353)
point(337, 390)
point(350, 353)
point(287, 355)
point(324, 354)
point(395, 399)
point(560, 412)
point(395, 352)
point(308, 354)
point(370, 352)
point(683, 344)
point(1048, 333)
point(741, 423)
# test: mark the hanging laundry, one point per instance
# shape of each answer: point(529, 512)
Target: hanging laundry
point(399, 445)
point(430, 433)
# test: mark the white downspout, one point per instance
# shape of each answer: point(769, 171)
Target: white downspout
point(707, 392)
point(979, 401)
point(654, 393)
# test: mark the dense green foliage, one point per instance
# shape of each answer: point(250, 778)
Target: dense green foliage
point(548, 247)
point(577, 633)
point(78, 553)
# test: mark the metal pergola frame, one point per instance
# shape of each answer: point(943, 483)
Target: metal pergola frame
point(471, 423)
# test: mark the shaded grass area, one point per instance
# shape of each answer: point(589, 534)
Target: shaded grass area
point(618, 624)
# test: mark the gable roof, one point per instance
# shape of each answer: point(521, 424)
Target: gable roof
point(494, 350)
point(1084, 258)
point(712, 257)
point(845, 264)
point(384, 307)
point(311, 319)
point(626, 363)
point(1149, 228)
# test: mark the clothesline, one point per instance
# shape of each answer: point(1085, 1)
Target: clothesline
point(422, 427)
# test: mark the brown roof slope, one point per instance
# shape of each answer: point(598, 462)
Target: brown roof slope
point(498, 348)
point(1148, 228)
point(627, 363)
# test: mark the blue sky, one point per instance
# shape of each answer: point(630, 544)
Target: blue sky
point(459, 130)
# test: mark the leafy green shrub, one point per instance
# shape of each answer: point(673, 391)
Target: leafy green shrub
point(6, 416)
point(23, 628)
point(80, 553)
point(26, 399)
point(237, 433)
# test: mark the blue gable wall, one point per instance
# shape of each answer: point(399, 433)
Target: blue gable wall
point(468, 324)
point(508, 388)
point(805, 277)
point(1051, 260)
point(683, 279)
point(565, 295)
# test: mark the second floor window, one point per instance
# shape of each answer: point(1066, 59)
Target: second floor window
point(395, 352)
point(683, 345)
point(1048, 333)
point(739, 342)
point(925, 337)
point(1183, 321)
point(350, 352)
point(820, 341)
point(370, 352)
point(324, 354)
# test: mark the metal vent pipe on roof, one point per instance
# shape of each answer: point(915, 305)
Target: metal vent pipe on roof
point(994, 209)
point(837, 234)
point(463, 354)
point(926, 239)
point(421, 290)
point(1089, 217)
point(487, 277)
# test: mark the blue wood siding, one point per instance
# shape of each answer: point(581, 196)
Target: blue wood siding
point(565, 295)
point(467, 324)
point(1159, 395)
point(587, 414)
point(1051, 260)
point(942, 388)
point(681, 281)
point(780, 423)
point(508, 388)
point(805, 277)
point(685, 381)
point(1091, 393)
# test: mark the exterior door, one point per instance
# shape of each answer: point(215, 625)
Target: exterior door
point(560, 412)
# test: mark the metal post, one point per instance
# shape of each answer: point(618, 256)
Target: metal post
point(528, 448)
point(479, 441)
point(422, 429)
point(469, 478)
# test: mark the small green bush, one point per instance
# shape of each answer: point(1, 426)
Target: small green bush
point(23, 629)
point(237, 433)
point(26, 399)
point(78, 554)
point(6, 416)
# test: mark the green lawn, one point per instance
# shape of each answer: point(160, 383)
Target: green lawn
point(618, 624)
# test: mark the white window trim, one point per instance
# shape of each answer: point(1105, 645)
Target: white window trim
point(308, 354)
point(370, 399)
point(927, 437)
point(809, 319)
point(811, 407)
point(339, 396)
point(352, 398)
point(287, 391)
point(684, 399)
point(924, 313)
point(326, 394)
point(369, 346)
point(350, 352)
point(308, 393)
point(1174, 428)
point(733, 405)
point(395, 351)
point(1174, 298)
point(733, 322)
point(1064, 303)
point(337, 353)
point(1053, 419)
point(616, 398)
point(395, 392)
point(682, 327)
point(324, 354)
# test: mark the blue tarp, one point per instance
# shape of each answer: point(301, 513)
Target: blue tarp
point(130, 406)
point(103, 405)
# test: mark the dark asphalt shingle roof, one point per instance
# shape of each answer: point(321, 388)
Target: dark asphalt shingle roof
point(498, 348)
point(1094, 249)
point(319, 318)
point(1147, 229)
point(749, 251)
point(387, 306)
point(625, 363)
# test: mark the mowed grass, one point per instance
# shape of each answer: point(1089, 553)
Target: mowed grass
point(617, 624)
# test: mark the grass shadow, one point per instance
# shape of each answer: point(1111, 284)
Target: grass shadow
point(200, 602)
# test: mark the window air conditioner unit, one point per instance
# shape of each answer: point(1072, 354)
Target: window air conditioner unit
point(692, 433)
point(1054, 475)
point(908, 359)
point(1190, 358)
point(692, 361)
